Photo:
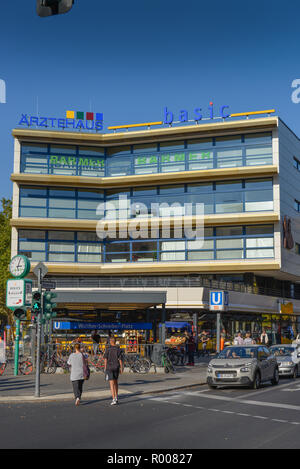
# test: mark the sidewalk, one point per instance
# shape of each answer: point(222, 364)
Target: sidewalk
point(58, 387)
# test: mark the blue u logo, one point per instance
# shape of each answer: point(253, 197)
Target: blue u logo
point(216, 298)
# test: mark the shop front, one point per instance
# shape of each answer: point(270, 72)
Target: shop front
point(132, 317)
point(131, 337)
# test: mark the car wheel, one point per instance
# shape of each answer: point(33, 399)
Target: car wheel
point(257, 381)
point(295, 373)
point(275, 379)
point(211, 386)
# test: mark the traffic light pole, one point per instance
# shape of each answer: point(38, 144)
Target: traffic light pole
point(38, 340)
point(17, 341)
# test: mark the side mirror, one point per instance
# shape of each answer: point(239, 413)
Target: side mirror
point(298, 355)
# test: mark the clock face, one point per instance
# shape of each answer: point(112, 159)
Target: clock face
point(19, 266)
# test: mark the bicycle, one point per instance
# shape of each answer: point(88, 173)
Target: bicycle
point(137, 364)
point(97, 361)
point(25, 367)
point(54, 362)
point(176, 356)
point(166, 362)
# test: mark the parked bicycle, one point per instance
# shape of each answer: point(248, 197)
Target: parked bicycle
point(25, 366)
point(166, 362)
point(136, 363)
point(55, 361)
point(176, 355)
point(97, 361)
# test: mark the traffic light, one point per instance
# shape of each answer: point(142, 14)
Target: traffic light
point(36, 307)
point(53, 7)
point(20, 314)
point(48, 305)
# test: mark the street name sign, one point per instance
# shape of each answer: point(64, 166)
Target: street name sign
point(18, 293)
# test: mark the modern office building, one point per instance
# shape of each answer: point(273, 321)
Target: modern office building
point(245, 173)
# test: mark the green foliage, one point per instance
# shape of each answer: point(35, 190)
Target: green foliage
point(5, 255)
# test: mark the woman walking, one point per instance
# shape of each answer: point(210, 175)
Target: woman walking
point(77, 362)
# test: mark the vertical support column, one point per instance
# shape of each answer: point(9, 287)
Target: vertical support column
point(218, 331)
point(195, 327)
point(163, 325)
point(147, 334)
point(154, 324)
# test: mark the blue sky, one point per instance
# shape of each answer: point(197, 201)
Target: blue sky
point(131, 59)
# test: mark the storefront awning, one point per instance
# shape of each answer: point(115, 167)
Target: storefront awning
point(177, 325)
point(109, 299)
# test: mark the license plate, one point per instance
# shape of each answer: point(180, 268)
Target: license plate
point(220, 375)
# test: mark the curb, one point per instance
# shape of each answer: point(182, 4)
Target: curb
point(92, 394)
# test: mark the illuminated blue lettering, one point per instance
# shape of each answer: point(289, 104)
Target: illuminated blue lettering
point(222, 112)
point(80, 125)
point(87, 125)
point(34, 121)
point(43, 122)
point(24, 120)
point(98, 125)
point(70, 122)
point(168, 116)
point(183, 116)
point(198, 115)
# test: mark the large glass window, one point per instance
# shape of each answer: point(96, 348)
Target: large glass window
point(119, 161)
point(229, 158)
point(170, 200)
point(220, 243)
point(189, 155)
point(146, 158)
point(34, 158)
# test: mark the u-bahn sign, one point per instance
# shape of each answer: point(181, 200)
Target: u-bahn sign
point(64, 325)
point(218, 300)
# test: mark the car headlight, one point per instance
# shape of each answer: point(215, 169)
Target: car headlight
point(209, 369)
point(245, 369)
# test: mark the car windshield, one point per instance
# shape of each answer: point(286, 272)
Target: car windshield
point(281, 351)
point(238, 352)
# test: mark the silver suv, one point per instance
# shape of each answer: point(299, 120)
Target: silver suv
point(243, 365)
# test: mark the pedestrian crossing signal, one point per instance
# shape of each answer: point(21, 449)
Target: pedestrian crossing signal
point(36, 303)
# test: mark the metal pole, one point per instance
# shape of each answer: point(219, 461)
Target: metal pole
point(38, 341)
point(18, 322)
point(195, 326)
point(218, 331)
point(163, 326)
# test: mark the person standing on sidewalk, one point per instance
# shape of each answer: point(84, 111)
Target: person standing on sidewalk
point(113, 366)
point(96, 341)
point(76, 361)
point(264, 338)
point(248, 339)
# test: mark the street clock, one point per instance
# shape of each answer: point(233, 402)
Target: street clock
point(19, 266)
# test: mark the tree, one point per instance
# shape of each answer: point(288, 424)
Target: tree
point(5, 254)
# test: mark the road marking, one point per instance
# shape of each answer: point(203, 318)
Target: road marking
point(291, 389)
point(246, 401)
point(241, 414)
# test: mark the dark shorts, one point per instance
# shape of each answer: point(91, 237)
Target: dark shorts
point(113, 374)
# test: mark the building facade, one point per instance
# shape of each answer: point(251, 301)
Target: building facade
point(244, 175)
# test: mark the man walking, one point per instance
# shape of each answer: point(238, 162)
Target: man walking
point(113, 366)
